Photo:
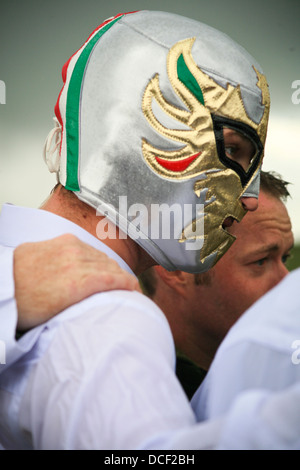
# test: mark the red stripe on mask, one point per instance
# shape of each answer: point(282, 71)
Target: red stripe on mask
point(178, 165)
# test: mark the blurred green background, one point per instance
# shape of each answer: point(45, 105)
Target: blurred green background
point(294, 261)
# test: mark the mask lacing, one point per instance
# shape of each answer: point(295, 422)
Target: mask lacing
point(52, 155)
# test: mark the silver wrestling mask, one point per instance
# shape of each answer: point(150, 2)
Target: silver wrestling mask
point(163, 121)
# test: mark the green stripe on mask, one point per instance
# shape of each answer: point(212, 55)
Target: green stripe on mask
point(188, 79)
point(72, 109)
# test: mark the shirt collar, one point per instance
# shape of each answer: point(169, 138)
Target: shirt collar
point(22, 224)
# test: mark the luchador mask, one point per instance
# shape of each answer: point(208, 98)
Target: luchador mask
point(170, 116)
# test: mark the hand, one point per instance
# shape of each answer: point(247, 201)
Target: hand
point(52, 275)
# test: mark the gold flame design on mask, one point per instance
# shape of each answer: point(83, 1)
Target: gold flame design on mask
point(227, 186)
point(200, 136)
point(220, 185)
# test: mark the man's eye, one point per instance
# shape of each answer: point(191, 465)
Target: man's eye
point(230, 151)
point(261, 262)
point(285, 258)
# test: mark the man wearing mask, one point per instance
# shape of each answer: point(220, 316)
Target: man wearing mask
point(151, 113)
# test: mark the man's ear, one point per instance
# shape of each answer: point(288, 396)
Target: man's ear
point(177, 280)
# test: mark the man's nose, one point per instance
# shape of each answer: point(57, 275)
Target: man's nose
point(249, 203)
point(283, 271)
point(279, 273)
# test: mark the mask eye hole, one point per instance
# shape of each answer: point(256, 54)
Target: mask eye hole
point(239, 148)
point(238, 145)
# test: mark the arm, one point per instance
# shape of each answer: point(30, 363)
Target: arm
point(263, 420)
point(75, 271)
point(7, 301)
point(257, 420)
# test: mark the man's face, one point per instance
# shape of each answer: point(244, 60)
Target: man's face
point(254, 264)
point(213, 138)
point(222, 193)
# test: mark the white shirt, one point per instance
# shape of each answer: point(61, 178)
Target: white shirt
point(99, 375)
point(20, 225)
point(7, 303)
point(259, 356)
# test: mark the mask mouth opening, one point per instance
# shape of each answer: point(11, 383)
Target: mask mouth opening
point(228, 222)
point(238, 146)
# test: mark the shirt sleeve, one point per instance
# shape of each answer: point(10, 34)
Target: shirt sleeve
point(8, 308)
point(108, 381)
point(258, 419)
point(263, 420)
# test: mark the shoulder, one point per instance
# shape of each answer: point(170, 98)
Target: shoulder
point(113, 302)
point(111, 318)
